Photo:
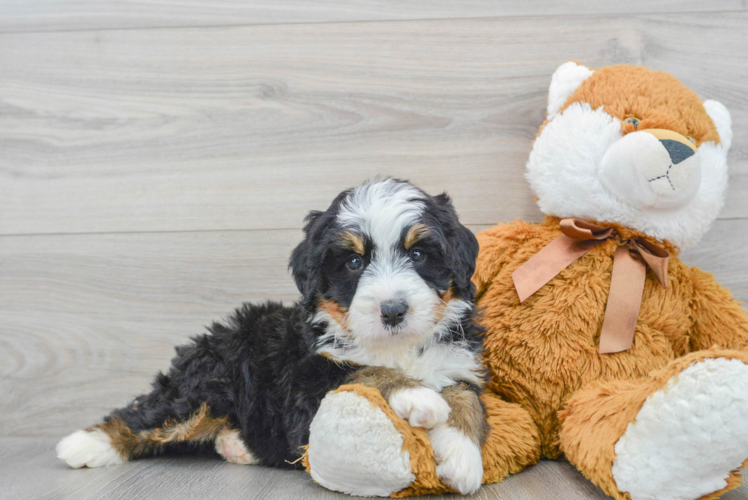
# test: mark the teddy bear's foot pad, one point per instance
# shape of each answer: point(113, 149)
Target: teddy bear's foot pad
point(355, 448)
point(688, 436)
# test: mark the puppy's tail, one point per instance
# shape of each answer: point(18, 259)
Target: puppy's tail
point(129, 433)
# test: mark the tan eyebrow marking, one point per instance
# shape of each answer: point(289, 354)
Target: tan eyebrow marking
point(353, 241)
point(415, 233)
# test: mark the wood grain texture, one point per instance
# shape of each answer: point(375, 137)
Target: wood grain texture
point(46, 15)
point(87, 320)
point(29, 470)
point(250, 127)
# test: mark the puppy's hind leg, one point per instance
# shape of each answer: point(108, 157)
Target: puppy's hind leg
point(191, 408)
point(122, 437)
point(181, 413)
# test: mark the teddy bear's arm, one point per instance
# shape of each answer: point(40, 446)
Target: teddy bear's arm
point(718, 318)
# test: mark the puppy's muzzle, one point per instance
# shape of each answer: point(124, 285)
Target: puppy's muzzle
point(393, 312)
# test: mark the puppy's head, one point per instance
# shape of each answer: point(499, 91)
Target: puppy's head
point(386, 262)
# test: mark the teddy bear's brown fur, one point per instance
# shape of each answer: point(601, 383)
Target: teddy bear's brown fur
point(543, 353)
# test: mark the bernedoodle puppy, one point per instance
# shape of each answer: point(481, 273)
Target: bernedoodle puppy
point(384, 275)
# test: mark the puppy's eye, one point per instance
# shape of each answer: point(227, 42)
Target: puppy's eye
point(355, 263)
point(417, 256)
point(691, 139)
point(633, 121)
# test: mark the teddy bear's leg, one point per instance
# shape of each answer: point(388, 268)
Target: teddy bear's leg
point(358, 445)
point(513, 440)
point(679, 434)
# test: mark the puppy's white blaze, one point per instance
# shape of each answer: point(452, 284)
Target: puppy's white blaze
point(388, 279)
point(382, 209)
point(89, 449)
point(459, 460)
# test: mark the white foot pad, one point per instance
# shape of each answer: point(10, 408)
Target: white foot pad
point(420, 406)
point(356, 449)
point(688, 436)
point(231, 447)
point(458, 458)
point(88, 449)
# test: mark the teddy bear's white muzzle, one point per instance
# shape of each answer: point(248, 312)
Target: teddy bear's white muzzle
point(652, 169)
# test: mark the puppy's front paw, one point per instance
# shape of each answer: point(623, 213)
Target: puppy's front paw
point(458, 458)
point(420, 406)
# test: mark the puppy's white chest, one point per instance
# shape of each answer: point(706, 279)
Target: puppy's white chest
point(442, 365)
point(437, 365)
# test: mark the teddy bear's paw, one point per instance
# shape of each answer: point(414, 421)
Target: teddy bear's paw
point(420, 406)
point(231, 447)
point(688, 436)
point(458, 458)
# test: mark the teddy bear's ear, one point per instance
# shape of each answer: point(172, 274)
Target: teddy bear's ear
point(566, 79)
point(721, 118)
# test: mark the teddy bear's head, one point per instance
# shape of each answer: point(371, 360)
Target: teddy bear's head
point(632, 146)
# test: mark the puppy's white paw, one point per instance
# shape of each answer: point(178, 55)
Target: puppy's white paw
point(458, 458)
point(420, 406)
point(231, 447)
point(89, 449)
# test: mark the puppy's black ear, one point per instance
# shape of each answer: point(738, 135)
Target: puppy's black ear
point(304, 263)
point(462, 248)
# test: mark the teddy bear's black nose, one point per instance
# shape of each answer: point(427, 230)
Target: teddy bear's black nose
point(393, 311)
point(677, 150)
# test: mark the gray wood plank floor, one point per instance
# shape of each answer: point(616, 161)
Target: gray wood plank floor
point(29, 470)
point(205, 129)
point(157, 159)
point(67, 15)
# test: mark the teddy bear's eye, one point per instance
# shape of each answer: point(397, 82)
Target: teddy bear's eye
point(690, 139)
point(633, 121)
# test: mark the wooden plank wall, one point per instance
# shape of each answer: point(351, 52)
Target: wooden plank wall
point(157, 159)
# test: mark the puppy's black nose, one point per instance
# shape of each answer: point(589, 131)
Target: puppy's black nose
point(393, 311)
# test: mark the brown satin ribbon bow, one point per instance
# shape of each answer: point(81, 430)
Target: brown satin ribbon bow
point(626, 285)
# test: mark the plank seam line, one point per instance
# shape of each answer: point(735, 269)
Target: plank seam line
point(239, 230)
point(362, 21)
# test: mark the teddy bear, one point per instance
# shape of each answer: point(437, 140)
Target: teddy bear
point(601, 345)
